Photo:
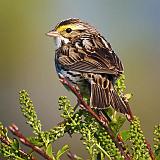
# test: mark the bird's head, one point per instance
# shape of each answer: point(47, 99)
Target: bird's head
point(70, 29)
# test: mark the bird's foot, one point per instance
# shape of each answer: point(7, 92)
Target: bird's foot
point(103, 118)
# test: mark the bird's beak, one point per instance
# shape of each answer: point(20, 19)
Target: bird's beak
point(52, 34)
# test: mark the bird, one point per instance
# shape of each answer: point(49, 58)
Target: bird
point(88, 62)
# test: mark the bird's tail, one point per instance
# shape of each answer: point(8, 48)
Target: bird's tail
point(105, 97)
point(117, 103)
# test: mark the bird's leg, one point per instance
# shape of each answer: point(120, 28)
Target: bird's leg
point(78, 101)
point(103, 118)
point(79, 105)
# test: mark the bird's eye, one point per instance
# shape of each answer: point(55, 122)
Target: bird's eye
point(68, 30)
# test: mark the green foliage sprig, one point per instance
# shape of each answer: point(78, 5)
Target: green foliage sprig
point(93, 135)
point(139, 147)
point(156, 140)
point(98, 143)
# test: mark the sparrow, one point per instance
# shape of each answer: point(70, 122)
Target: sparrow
point(87, 61)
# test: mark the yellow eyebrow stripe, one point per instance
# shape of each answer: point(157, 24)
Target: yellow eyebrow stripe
point(72, 26)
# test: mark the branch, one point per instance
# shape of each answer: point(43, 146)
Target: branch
point(89, 109)
point(14, 129)
point(150, 150)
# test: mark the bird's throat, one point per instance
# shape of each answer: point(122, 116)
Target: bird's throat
point(58, 41)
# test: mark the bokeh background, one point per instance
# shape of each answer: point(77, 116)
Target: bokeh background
point(27, 56)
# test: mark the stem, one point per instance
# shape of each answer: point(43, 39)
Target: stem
point(150, 150)
point(103, 151)
point(14, 129)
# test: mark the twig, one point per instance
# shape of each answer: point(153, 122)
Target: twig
point(89, 109)
point(4, 140)
point(14, 129)
point(23, 153)
point(150, 150)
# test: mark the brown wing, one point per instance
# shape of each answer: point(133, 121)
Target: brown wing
point(90, 55)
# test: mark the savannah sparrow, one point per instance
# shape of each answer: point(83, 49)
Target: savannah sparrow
point(86, 59)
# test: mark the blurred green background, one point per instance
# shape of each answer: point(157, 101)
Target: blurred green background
point(27, 56)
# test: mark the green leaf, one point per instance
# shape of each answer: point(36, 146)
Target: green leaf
point(15, 144)
point(125, 134)
point(64, 149)
point(157, 152)
point(49, 151)
point(117, 123)
point(36, 141)
point(108, 112)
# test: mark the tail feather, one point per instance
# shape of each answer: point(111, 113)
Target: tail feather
point(117, 103)
point(104, 97)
